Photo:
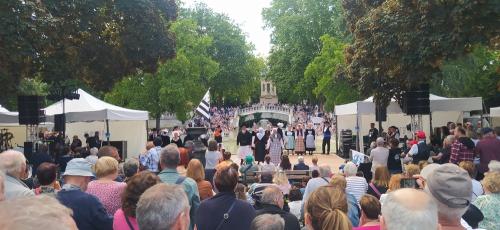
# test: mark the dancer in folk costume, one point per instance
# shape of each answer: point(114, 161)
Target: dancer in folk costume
point(260, 143)
point(289, 139)
point(244, 140)
point(275, 146)
point(310, 139)
point(300, 147)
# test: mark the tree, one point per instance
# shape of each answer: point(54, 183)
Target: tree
point(323, 73)
point(297, 26)
point(475, 74)
point(178, 84)
point(238, 68)
point(400, 44)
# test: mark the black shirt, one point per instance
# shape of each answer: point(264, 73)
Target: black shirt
point(394, 160)
point(244, 139)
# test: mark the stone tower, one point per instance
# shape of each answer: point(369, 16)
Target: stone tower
point(268, 92)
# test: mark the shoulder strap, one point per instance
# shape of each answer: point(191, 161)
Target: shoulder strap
point(325, 179)
point(128, 222)
point(180, 180)
point(226, 216)
point(375, 189)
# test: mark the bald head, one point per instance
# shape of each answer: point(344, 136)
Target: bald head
point(13, 163)
point(406, 208)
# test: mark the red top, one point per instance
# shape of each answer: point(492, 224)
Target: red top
point(488, 149)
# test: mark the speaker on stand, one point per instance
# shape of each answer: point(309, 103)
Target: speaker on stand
point(59, 123)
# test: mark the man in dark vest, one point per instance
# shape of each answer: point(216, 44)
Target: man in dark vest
point(327, 134)
point(420, 151)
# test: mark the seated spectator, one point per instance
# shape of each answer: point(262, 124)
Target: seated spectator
point(356, 185)
point(314, 165)
point(163, 206)
point(272, 203)
point(241, 214)
point(267, 165)
point(412, 170)
point(124, 217)
point(326, 208)
point(409, 209)
point(285, 163)
point(394, 184)
point(92, 158)
point(241, 191)
point(489, 203)
point(380, 182)
point(130, 168)
point(13, 163)
point(248, 167)
point(88, 211)
point(268, 222)
point(314, 183)
point(105, 188)
point(301, 165)
point(255, 189)
point(196, 172)
point(281, 180)
point(477, 188)
point(353, 211)
point(370, 212)
point(40, 212)
point(295, 202)
point(226, 160)
point(47, 175)
point(109, 151)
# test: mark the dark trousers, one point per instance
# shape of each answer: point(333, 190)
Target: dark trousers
point(326, 142)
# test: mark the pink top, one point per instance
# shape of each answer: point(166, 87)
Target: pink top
point(119, 222)
point(108, 193)
point(376, 227)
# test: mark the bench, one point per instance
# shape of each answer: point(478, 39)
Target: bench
point(293, 175)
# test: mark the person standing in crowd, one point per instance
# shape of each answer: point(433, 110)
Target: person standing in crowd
point(380, 182)
point(295, 202)
point(272, 203)
point(92, 157)
point(356, 185)
point(244, 141)
point(109, 151)
point(488, 149)
point(163, 207)
point(285, 163)
point(275, 146)
point(41, 156)
point(477, 188)
point(443, 156)
point(300, 147)
point(212, 157)
point(310, 135)
point(196, 172)
point(105, 188)
point(13, 163)
point(165, 139)
point(327, 134)
point(224, 211)
point(2, 186)
point(370, 212)
point(463, 147)
point(259, 142)
point(169, 159)
point(124, 218)
point(95, 141)
point(218, 134)
point(326, 208)
point(372, 133)
point(187, 153)
point(314, 183)
point(176, 138)
point(300, 165)
point(394, 159)
point(379, 155)
point(489, 203)
point(76, 143)
point(150, 159)
point(289, 139)
point(130, 169)
point(268, 222)
point(281, 181)
point(409, 209)
point(353, 212)
point(47, 175)
point(393, 133)
point(88, 211)
point(420, 151)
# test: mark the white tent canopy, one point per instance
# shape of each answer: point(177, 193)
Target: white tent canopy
point(437, 103)
point(89, 108)
point(495, 112)
point(7, 117)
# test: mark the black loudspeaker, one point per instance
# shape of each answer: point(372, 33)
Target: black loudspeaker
point(59, 122)
point(416, 100)
point(28, 150)
point(29, 108)
point(380, 113)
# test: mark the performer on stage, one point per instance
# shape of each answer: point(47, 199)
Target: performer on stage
point(300, 147)
point(289, 139)
point(260, 143)
point(275, 146)
point(372, 133)
point(244, 140)
point(327, 134)
point(310, 139)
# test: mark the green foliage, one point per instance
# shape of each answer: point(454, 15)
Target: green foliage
point(399, 44)
point(476, 74)
point(297, 26)
point(322, 74)
point(239, 70)
point(179, 84)
point(32, 87)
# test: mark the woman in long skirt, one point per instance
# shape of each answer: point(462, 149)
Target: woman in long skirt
point(275, 146)
point(260, 143)
point(289, 140)
point(300, 147)
point(310, 139)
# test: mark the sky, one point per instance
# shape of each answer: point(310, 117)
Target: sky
point(247, 14)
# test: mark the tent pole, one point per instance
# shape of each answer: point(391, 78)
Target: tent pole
point(357, 126)
point(336, 134)
point(431, 132)
point(107, 130)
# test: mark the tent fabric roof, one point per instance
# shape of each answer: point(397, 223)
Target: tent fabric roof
point(495, 112)
point(90, 108)
point(8, 117)
point(437, 103)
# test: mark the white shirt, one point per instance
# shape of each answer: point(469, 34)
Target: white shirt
point(212, 159)
point(414, 149)
point(379, 156)
point(356, 186)
point(477, 189)
point(313, 184)
point(265, 167)
point(295, 207)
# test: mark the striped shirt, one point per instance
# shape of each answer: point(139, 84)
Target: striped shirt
point(356, 186)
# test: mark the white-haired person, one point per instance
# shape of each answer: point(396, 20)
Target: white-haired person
point(489, 203)
point(92, 158)
point(300, 165)
point(13, 164)
point(356, 185)
point(379, 155)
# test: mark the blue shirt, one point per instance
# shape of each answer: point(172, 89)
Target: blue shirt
point(170, 176)
point(88, 211)
point(151, 159)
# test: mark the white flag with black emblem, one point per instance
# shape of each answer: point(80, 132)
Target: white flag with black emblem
point(204, 106)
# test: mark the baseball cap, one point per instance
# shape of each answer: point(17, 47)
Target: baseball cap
point(450, 185)
point(421, 134)
point(486, 130)
point(427, 170)
point(78, 167)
